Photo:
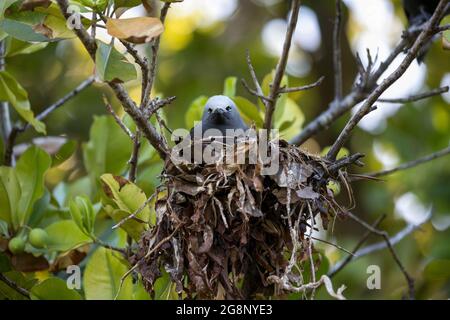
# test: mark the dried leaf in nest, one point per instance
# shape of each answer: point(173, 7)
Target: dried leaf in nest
point(223, 230)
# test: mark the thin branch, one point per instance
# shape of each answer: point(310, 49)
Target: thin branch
point(417, 97)
point(119, 90)
point(410, 164)
point(10, 142)
point(385, 236)
point(155, 48)
point(346, 161)
point(337, 52)
point(281, 66)
point(134, 156)
point(258, 91)
point(341, 264)
point(108, 246)
point(302, 88)
point(336, 109)
point(422, 39)
point(117, 119)
point(5, 119)
point(134, 214)
point(24, 292)
point(263, 98)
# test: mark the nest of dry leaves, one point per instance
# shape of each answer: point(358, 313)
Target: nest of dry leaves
point(227, 231)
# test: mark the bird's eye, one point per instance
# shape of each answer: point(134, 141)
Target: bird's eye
point(228, 108)
point(209, 110)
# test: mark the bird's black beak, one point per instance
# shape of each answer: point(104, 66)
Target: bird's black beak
point(219, 111)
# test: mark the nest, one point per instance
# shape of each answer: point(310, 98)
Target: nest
point(227, 231)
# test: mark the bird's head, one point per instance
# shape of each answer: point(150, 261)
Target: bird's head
point(221, 110)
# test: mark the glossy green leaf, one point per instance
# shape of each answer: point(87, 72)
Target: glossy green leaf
point(31, 168)
point(229, 89)
point(127, 198)
point(101, 279)
point(64, 153)
point(53, 289)
point(15, 94)
point(83, 214)
point(98, 5)
point(249, 111)
point(22, 280)
point(438, 269)
point(23, 25)
point(195, 111)
point(9, 195)
point(111, 65)
point(108, 149)
point(126, 3)
point(16, 47)
point(5, 4)
point(65, 235)
point(291, 113)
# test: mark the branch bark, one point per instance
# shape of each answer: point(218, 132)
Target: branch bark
point(130, 107)
point(281, 66)
point(424, 36)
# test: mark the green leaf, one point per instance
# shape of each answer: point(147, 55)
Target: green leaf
point(31, 168)
point(98, 5)
point(15, 94)
point(9, 195)
point(4, 232)
point(341, 154)
point(291, 113)
point(64, 153)
point(23, 26)
point(5, 4)
point(83, 214)
point(56, 24)
point(249, 111)
point(127, 198)
point(229, 89)
point(53, 289)
point(16, 47)
point(5, 264)
point(126, 3)
point(102, 276)
point(112, 66)
point(108, 149)
point(195, 111)
point(7, 293)
point(65, 235)
point(438, 269)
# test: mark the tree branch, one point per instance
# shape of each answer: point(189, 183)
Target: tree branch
point(302, 88)
point(10, 142)
point(389, 245)
point(281, 66)
point(128, 104)
point(417, 97)
point(155, 48)
point(410, 164)
point(422, 39)
point(24, 292)
point(5, 120)
point(337, 52)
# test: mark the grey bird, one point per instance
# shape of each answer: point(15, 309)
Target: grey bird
point(221, 113)
point(419, 12)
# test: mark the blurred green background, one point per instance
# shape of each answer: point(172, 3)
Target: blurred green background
point(206, 41)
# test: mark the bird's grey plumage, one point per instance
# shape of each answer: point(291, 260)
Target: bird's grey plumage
point(221, 113)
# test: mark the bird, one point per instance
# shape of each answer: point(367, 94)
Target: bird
point(220, 113)
point(418, 12)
